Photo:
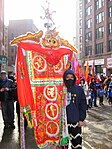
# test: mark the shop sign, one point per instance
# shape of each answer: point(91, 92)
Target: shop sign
point(99, 62)
point(109, 62)
point(90, 63)
point(3, 59)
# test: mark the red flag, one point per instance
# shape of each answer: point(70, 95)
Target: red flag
point(77, 74)
point(77, 69)
point(25, 95)
point(74, 63)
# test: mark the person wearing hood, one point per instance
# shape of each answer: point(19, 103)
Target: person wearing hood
point(76, 108)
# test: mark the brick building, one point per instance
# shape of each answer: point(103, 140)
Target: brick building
point(97, 35)
point(15, 29)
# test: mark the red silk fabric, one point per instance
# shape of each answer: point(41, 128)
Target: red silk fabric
point(51, 55)
point(40, 83)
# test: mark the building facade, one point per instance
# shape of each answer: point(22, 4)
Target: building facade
point(1, 25)
point(97, 35)
point(15, 29)
point(6, 41)
point(78, 38)
point(3, 56)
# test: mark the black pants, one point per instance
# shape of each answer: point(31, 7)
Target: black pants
point(101, 100)
point(18, 114)
point(75, 136)
point(8, 112)
point(110, 100)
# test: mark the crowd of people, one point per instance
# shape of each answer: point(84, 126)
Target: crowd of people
point(96, 89)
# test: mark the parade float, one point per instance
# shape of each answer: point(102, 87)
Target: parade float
point(42, 59)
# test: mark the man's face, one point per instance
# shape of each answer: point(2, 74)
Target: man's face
point(70, 76)
point(3, 77)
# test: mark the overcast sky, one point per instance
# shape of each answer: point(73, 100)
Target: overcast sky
point(64, 17)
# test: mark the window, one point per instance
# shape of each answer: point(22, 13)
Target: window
point(110, 28)
point(99, 32)
point(89, 23)
point(80, 47)
point(87, 1)
point(80, 22)
point(99, 17)
point(110, 11)
point(80, 31)
point(80, 6)
point(88, 51)
point(88, 36)
point(88, 11)
point(99, 4)
point(80, 14)
point(96, 19)
point(81, 39)
point(110, 45)
point(96, 5)
point(80, 56)
point(99, 48)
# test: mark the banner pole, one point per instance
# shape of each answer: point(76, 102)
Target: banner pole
point(22, 130)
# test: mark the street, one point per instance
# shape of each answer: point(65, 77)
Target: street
point(97, 132)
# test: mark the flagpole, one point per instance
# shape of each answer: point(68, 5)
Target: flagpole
point(22, 130)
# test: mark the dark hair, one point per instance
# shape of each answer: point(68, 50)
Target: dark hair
point(92, 79)
point(82, 80)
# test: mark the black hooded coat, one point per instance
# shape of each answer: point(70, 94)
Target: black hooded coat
point(76, 110)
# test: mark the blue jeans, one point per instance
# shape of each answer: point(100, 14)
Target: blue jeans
point(93, 99)
point(8, 112)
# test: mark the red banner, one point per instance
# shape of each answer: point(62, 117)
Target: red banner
point(40, 83)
